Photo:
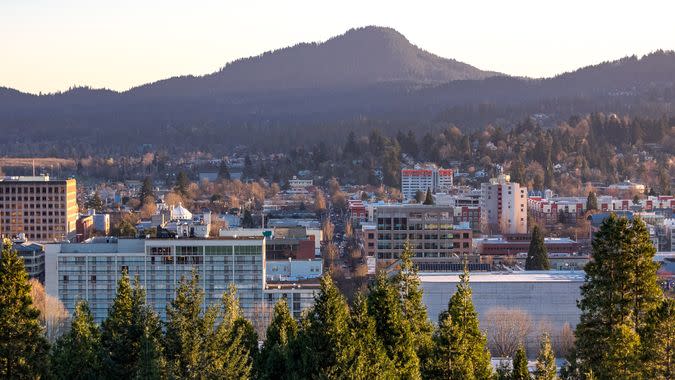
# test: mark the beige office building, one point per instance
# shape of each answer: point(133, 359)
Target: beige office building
point(42, 208)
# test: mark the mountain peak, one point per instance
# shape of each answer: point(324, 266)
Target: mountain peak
point(359, 57)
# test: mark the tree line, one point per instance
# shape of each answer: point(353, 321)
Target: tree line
point(625, 331)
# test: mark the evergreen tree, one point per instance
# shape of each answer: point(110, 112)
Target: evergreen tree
point(619, 292)
point(461, 347)
point(249, 171)
point(247, 219)
point(537, 255)
point(186, 330)
point(503, 371)
point(23, 347)
point(591, 201)
point(351, 146)
point(223, 171)
point(664, 181)
point(274, 353)
point(546, 369)
point(119, 351)
point(182, 184)
point(322, 347)
point(368, 358)
point(76, 354)
point(147, 190)
point(518, 171)
point(520, 371)
point(145, 335)
point(126, 229)
point(414, 310)
point(392, 327)
point(95, 203)
point(658, 342)
point(428, 199)
point(150, 361)
point(548, 173)
point(225, 354)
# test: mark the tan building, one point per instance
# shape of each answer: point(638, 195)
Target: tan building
point(503, 206)
point(438, 243)
point(41, 208)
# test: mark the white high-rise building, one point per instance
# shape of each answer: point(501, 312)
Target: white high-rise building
point(503, 206)
point(425, 177)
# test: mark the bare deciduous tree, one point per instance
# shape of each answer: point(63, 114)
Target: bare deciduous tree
point(53, 315)
point(327, 228)
point(319, 201)
point(506, 329)
point(261, 318)
point(563, 343)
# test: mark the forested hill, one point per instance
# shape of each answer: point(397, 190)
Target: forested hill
point(358, 58)
point(366, 77)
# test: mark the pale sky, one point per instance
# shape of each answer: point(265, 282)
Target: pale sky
point(50, 45)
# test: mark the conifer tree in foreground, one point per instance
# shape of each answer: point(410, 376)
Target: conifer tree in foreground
point(546, 369)
point(619, 293)
point(129, 318)
point(226, 354)
point(392, 328)
point(658, 342)
point(321, 349)
point(146, 335)
point(185, 331)
point(23, 346)
point(368, 358)
point(274, 353)
point(537, 255)
point(520, 371)
point(76, 355)
point(414, 310)
point(460, 346)
point(150, 362)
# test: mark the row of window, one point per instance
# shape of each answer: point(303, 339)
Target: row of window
point(387, 236)
point(32, 190)
point(32, 213)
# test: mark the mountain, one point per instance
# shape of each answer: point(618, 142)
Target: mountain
point(360, 57)
point(366, 78)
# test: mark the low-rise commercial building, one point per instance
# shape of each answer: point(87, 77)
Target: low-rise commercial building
point(549, 298)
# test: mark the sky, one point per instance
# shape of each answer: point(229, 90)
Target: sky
point(52, 45)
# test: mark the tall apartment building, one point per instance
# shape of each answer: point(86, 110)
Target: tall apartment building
point(437, 242)
point(423, 178)
point(503, 206)
point(42, 208)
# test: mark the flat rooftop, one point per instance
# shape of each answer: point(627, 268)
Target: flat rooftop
point(520, 276)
